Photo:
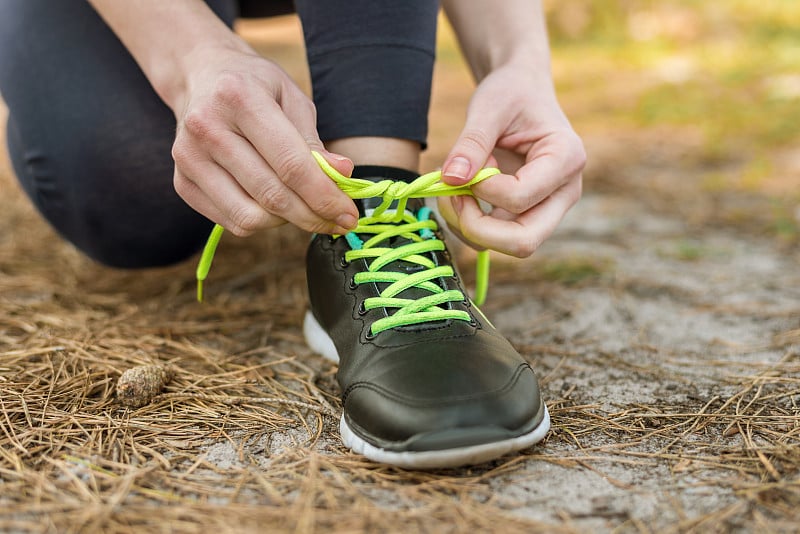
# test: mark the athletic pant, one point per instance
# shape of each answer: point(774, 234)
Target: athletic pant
point(90, 140)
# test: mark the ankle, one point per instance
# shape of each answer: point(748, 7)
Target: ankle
point(378, 151)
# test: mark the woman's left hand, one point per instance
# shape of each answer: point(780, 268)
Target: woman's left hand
point(514, 122)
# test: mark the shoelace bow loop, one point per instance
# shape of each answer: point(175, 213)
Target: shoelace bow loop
point(427, 185)
point(385, 224)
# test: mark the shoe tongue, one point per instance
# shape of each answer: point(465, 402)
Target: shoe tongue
point(377, 173)
point(367, 205)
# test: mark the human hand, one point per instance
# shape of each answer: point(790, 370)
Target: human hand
point(243, 147)
point(514, 122)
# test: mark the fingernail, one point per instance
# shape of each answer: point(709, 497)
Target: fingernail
point(347, 221)
point(347, 169)
point(458, 203)
point(337, 157)
point(458, 168)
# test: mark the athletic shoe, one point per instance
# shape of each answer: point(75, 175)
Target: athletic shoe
point(426, 380)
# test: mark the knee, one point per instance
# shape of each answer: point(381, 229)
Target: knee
point(132, 222)
point(135, 237)
point(128, 213)
point(109, 194)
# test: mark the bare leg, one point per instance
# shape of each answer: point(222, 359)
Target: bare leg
point(386, 151)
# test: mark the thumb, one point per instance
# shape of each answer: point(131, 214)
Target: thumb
point(470, 152)
point(341, 163)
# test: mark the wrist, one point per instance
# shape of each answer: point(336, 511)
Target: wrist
point(164, 37)
point(493, 35)
point(520, 75)
point(525, 61)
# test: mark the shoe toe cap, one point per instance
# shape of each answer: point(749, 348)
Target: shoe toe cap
point(439, 404)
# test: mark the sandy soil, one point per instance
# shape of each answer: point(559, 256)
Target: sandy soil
point(651, 342)
point(666, 338)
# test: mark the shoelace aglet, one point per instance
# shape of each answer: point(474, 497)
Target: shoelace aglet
point(481, 277)
point(204, 265)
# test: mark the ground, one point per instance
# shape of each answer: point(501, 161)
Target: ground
point(663, 319)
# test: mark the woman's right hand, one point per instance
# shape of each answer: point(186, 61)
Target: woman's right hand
point(245, 131)
point(243, 147)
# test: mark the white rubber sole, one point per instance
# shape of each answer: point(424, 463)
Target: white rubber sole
point(319, 341)
point(472, 455)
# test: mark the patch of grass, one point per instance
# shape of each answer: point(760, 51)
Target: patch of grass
point(786, 224)
point(733, 116)
point(724, 67)
point(687, 250)
point(571, 271)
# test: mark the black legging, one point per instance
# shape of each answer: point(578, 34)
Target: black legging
point(90, 140)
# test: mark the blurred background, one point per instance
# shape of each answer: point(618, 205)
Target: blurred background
point(692, 106)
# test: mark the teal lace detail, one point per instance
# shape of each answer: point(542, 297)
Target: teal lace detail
point(384, 224)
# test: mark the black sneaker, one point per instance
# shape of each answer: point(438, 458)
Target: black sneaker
point(427, 381)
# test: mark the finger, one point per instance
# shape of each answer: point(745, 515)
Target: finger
point(491, 161)
point(552, 162)
point(343, 164)
point(302, 113)
point(523, 235)
point(195, 173)
point(473, 147)
point(238, 157)
point(288, 154)
point(202, 204)
point(448, 212)
point(195, 198)
point(223, 201)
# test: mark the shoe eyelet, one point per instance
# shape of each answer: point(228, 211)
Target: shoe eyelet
point(343, 262)
point(369, 336)
point(361, 309)
point(473, 323)
point(352, 284)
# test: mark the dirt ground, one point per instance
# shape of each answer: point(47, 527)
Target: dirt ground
point(663, 321)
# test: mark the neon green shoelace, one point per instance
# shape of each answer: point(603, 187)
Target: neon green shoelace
point(384, 224)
